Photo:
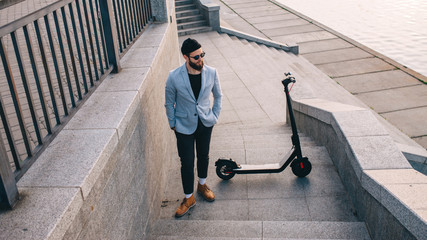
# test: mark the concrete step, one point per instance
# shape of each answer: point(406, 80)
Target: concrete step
point(196, 238)
point(185, 7)
point(183, 2)
point(193, 24)
point(195, 30)
point(260, 74)
point(208, 229)
point(187, 13)
point(190, 19)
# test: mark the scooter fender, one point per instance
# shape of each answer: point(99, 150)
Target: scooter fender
point(230, 161)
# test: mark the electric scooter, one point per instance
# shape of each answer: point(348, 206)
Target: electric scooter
point(226, 168)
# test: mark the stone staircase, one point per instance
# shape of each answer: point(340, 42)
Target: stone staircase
point(253, 130)
point(189, 18)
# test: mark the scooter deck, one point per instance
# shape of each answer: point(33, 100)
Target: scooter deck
point(266, 168)
point(272, 166)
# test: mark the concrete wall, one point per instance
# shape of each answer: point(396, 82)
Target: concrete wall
point(386, 192)
point(7, 3)
point(210, 11)
point(103, 176)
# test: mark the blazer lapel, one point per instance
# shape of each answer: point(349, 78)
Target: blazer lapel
point(202, 88)
point(186, 80)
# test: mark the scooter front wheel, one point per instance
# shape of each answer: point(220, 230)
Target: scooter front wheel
point(225, 171)
point(301, 167)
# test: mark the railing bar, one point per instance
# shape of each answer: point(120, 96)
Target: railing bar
point(135, 20)
point(132, 16)
point(79, 53)
point(136, 14)
point(95, 31)
point(9, 136)
point(70, 49)
point(145, 13)
point(129, 17)
point(24, 78)
point(9, 77)
point(140, 13)
point(38, 84)
point(134, 23)
point(117, 25)
point(150, 14)
point(64, 59)
point(58, 74)
point(82, 30)
point(101, 29)
point(15, 96)
point(47, 72)
point(125, 23)
point(92, 48)
point(121, 25)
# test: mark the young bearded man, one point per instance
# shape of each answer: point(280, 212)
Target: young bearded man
point(191, 117)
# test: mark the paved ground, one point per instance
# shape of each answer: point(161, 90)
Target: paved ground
point(390, 89)
point(252, 130)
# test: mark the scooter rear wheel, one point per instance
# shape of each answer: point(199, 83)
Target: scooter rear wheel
point(225, 171)
point(301, 167)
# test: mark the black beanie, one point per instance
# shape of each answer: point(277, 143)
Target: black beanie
point(190, 45)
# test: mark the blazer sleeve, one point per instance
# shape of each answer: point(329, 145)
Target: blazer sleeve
point(170, 100)
point(217, 94)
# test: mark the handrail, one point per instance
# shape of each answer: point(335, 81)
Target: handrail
point(51, 61)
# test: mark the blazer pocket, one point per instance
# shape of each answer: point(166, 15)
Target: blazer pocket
point(180, 114)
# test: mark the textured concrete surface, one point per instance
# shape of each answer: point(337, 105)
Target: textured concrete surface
point(261, 206)
point(373, 170)
point(374, 78)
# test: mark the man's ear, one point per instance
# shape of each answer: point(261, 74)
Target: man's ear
point(185, 57)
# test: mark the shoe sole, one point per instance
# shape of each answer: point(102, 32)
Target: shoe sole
point(178, 216)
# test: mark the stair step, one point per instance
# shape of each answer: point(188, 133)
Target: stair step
point(185, 7)
point(196, 238)
point(187, 13)
point(183, 2)
point(195, 30)
point(187, 229)
point(190, 19)
point(194, 24)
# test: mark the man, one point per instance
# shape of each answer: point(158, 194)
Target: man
point(191, 117)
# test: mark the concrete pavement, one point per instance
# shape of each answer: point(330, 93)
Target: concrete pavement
point(252, 130)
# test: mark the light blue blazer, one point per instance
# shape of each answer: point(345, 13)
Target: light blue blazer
point(183, 109)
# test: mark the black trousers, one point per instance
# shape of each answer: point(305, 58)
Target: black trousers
point(202, 138)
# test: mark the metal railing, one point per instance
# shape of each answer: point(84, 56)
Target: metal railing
point(51, 61)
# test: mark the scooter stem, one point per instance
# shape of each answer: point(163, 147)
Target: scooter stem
point(295, 137)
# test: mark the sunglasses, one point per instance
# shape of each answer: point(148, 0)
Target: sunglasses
point(198, 56)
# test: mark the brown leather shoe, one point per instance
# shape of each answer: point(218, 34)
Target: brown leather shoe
point(206, 192)
point(186, 204)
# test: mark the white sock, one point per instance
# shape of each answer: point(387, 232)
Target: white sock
point(202, 181)
point(188, 195)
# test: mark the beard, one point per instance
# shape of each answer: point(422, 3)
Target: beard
point(196, 66)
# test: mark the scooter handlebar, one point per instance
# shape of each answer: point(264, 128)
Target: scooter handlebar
point(288, 79)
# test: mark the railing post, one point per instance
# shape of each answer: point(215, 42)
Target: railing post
point(8, 189)
point(106, 8)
